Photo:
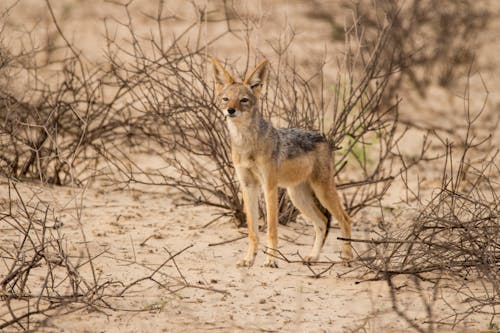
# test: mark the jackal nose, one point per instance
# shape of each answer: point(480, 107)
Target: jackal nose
point(231, 111)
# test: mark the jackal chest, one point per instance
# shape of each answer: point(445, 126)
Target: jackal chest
point(244, 159)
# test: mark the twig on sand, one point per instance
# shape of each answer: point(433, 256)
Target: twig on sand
point(228, 241)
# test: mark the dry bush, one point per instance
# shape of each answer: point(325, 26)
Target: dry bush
point(53, 130)
point(39, 277)
point(432, 42)
point(453, 240)
point(173, 92)
point(45, 271)
point(177, 118)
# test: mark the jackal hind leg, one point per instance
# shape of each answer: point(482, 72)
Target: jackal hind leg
point(303, 198)
point(329, 198)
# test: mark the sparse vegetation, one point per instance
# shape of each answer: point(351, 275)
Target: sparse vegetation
point(67, 120)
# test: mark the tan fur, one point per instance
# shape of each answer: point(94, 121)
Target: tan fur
point(263, 161)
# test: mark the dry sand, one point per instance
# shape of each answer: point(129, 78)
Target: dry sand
point(221, 297)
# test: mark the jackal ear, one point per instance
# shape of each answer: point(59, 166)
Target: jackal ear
point(221, 76)
point(257, 78)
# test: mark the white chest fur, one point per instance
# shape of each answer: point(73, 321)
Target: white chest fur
point(241, 137)
point(244, 144)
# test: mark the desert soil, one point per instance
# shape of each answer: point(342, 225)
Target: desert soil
point(135, 231)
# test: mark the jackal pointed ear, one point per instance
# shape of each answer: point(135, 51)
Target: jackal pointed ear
point(257, 78)
point(221, 76)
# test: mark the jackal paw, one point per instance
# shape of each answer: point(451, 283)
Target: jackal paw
point(347, 256)
point(346, 262)
point(245, 262)
point(270, 262)
point(310, 259)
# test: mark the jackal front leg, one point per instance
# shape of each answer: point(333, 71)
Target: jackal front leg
point(271, 196)
point(250, 190)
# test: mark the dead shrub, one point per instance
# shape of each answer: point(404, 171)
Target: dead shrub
point(39, 277)
point(172, 90)
point(451, 242)
point(432, 41)
point(53, 131)
point(46, 271)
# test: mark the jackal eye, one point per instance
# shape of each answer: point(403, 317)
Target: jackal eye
point(225, 99)
point(244, 100)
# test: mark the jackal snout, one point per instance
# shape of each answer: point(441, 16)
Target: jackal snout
point(236, 100)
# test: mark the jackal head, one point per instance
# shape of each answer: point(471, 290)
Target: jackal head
point(238, 100)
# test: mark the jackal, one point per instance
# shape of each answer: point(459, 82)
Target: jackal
point(268, 157)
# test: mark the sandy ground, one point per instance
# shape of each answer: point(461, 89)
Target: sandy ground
point(138, 228)
point(220, 297)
